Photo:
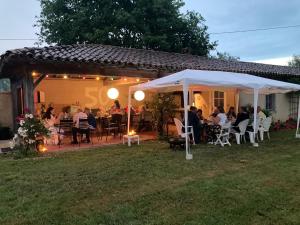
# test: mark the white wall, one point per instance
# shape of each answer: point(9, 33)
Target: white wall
point(282, 104)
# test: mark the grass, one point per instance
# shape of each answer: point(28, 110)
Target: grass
point(149, 184)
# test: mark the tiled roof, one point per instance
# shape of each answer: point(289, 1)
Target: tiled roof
point(140, 58)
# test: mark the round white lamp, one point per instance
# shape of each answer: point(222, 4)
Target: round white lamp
point(113, 93)
point(139, 95)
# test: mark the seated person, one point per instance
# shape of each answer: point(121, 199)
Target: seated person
point(50, 121)
point(65, 114)
point(91, 118)
point(231, 116)
point(116, 108)
point(79, 115)
point(220, 118)
point(243, 115)
point(195, 123)
point(261, 115)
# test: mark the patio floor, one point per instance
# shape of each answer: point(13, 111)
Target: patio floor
point(67, 146)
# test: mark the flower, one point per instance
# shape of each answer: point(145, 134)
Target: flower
point(29, 116)
point(22, 122)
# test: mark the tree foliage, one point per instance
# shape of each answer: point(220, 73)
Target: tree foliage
point(295, 62)
point(149, 24)
point(226, 56)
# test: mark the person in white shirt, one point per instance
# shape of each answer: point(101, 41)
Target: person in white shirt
point(220, 118)
point(261, 115)
point(79, 115)
point(50, 121)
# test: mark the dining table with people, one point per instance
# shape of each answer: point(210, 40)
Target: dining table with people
point(206, 129)
point(83, 121)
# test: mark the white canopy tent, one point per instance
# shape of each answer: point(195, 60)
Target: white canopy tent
point(190, 78)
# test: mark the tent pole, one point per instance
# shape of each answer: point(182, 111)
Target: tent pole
point(190, 97)
point(128, 110)
point(237, 101)
point(185, 90)
point(298, 120)
point(255, 103)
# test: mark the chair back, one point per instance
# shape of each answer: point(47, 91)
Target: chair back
point(116, 118)
point(267, 123)
point(243, 126)
point(226, 127)
point(179, 126)
point(148, 116)
point(65, 125)
point(83, 124)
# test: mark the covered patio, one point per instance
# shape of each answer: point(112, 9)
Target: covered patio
point(80, 76)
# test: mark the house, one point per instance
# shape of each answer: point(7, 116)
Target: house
point(81, 75)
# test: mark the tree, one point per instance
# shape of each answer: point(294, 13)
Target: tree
point(148, 24)
point(295, 62)
point(226, 56)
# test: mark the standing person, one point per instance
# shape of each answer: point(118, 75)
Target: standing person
point(231, 115)
point(79, 115)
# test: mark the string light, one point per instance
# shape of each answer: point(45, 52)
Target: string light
point(65, 77)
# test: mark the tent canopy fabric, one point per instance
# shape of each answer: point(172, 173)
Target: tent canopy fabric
point(243, 82)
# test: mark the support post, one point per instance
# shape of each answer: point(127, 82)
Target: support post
point(298, 120)
point(237, 101)
point(128, 110)
point(191, 100)
point(255, 103)
point(39, 80)
point(185, 88)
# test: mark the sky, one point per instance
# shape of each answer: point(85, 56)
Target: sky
point(17, 18)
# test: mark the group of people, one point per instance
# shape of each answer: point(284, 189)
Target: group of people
point(52, 123)
point(115, 113)
point(206, 129)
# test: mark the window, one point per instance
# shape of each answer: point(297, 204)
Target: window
point(271, 102)
point(219, 98)
point(294, 99)
point(4, 85)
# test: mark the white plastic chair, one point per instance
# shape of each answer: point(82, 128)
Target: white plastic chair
point(266, 124)
point(253, 135)
point(179, 127)
point(241, 135)
point(223, 136)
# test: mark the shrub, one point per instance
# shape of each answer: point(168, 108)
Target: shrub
point(30, 130)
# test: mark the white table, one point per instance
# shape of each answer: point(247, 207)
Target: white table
point(131, 138)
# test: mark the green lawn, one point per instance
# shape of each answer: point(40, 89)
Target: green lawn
point(149, 184)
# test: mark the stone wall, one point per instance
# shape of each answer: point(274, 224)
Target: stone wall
point(6, 114)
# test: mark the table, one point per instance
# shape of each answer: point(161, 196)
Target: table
point(131, 138)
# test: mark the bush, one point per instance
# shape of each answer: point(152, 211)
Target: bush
point(30, 130)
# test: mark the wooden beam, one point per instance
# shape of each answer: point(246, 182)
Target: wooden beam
point(38, 81)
